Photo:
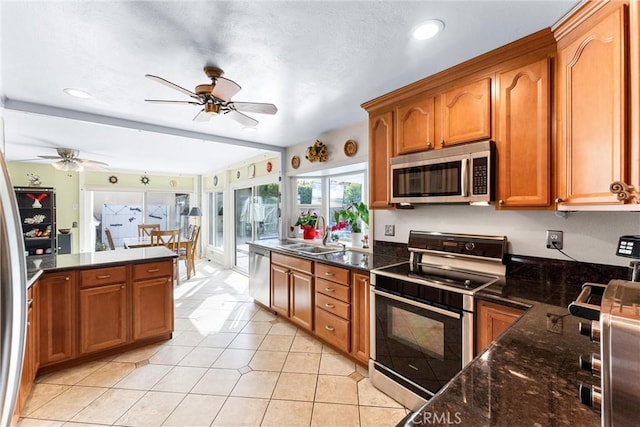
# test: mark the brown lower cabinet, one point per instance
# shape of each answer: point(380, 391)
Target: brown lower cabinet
point(31, 356)
point(491, 321)
point(58, 317)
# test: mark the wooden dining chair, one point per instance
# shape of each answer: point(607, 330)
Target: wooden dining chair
point(107, 233)
point(170, 239)
point(188, 250)
point(144, 230)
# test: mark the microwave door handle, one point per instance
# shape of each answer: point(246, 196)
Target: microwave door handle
point(465, 177)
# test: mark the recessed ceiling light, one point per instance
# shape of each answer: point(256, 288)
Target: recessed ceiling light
point(77, 93)
point(427, 29)
point(249, 129)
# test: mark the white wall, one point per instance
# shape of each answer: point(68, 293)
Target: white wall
point(588, 236)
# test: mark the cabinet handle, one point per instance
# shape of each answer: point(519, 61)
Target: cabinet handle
point(328, 273)
point(153, 270)
point(103, 276)
point(501, 202)
point(330, 305)
point(442, 144)
point(121, 286)
point(329, 289)
point(66, 278)
point(559, 200)
point(329, 328)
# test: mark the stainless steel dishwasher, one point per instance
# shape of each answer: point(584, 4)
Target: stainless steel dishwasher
point(259, 274)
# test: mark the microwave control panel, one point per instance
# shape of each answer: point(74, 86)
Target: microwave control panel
point(480, 175)
point(629, 246)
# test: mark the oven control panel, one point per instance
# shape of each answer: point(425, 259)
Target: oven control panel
point(629, 246)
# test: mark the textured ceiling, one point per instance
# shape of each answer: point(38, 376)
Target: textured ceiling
point(317, 61)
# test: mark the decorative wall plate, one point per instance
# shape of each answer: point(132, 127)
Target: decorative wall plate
point(238, 174)
point(350, 148)
point(113, 179)
point(251, 171)
point(269, 167)
point(145, 179)
point(295, 162)
point(215, 180)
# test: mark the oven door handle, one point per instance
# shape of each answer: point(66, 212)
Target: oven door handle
point(417, 304)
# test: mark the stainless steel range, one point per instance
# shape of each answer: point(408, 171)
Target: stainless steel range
point(422, 312)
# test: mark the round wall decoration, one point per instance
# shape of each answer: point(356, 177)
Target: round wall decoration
point(113, 179)
point(295, 162)
point(215, 180)
point(251, 170)
point(145, 179)
point(269, 167)
point(350, 148)
point(173, 183)
point(238, 174)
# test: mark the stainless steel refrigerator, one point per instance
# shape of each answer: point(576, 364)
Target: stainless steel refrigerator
point(13, 297)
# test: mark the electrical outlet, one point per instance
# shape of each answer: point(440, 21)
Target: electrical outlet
point(554, 239)
point(554, 323)
point(389, 230)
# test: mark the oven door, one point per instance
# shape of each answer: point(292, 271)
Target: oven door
point(417, 342)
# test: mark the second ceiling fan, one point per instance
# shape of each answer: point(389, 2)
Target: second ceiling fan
point(215, 98)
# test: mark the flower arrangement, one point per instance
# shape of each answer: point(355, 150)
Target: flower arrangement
point(307, 219)
point(318, 151)
point(351, 216)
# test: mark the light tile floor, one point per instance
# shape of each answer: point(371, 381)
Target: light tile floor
point(230, 363)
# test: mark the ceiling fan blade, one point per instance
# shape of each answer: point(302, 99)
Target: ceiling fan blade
point(92, 163)
point(50, 157)
point(255, 107)
point(224, 88)
point(162, 101)
point(202, 116)
point(172, 85)
point(241, 118)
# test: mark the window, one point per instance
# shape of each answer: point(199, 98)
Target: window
point(326, 195)
point(216, 230)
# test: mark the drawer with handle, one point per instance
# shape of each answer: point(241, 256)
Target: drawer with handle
point(334, 306)
point(334, 290)
point(333, 329)
point(152, 269)
point(330, 272)
point(102, 276)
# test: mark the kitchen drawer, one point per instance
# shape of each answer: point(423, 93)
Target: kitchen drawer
point(333, 329)
point(334, 290)
point(102, 276)
point(330, 272)
point(292, 262)
point(334, 306)
point(152, 269)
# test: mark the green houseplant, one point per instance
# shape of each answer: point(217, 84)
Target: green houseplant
point(352, 216)
point(307, 221)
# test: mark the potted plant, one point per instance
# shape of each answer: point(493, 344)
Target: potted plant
point(353, 216)
point(307, 221)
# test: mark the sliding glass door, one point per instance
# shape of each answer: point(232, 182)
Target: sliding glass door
point(256, 218)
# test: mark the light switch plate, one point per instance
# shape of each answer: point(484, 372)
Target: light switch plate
point(389, 230)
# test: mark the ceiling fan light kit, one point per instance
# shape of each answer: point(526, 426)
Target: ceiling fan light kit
point(68, 161)
point(215, 98)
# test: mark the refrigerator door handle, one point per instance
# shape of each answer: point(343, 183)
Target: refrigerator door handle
point(13, 297)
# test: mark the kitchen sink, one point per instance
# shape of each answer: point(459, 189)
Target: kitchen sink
point(310, 249)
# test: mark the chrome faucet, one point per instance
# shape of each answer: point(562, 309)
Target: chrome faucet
point(325, 237)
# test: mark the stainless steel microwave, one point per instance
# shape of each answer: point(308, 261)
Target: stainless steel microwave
point(458, 174)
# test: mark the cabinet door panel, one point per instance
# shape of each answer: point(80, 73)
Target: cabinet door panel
point(301, 306)
point(415, 126)
point(492, 320)
point(360, 317)
point(523, 138)
point(280, 289)
point(104, 317)
point(380, 151)
point(152, 307)
point(593, 91)
point(466, 113)
point(58, 322)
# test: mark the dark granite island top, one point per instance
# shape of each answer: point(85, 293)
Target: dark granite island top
point(50, 263)
point(528, 376)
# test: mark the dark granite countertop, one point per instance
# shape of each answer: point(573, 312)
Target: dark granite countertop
point(36, 265)
point(349, 258)
point(528, 376)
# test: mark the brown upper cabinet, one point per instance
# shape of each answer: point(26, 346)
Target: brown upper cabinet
point(380, 151)
point(593, 149)
point(415, 126)
point(523, 135)
point(466, 113)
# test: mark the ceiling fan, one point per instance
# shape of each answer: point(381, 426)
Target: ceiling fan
point(215, 97)
point(68, 160)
